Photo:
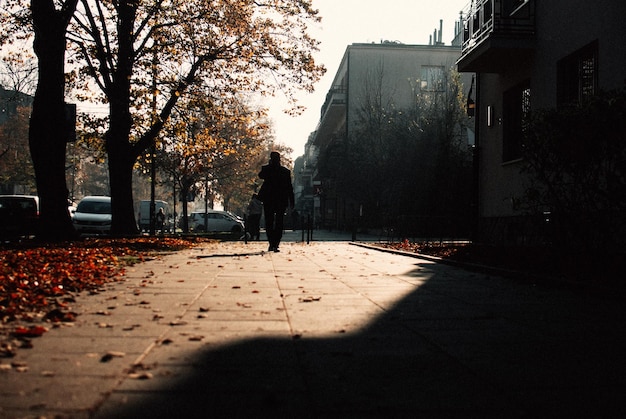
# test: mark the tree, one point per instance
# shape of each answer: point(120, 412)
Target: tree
point(47, 133)
point(208, 146)
point(145, 56)
point(18, 76)
point(15, 163)
point(407, 164)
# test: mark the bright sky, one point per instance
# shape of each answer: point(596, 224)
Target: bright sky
point(346, 22)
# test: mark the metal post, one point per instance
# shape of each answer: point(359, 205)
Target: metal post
point(245, 228)
point(308, 230)
point(152, 183)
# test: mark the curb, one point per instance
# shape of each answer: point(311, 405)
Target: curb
point(612, 293)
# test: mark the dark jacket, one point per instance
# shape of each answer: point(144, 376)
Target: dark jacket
point(276, 190)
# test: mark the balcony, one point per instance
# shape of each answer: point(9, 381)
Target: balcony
point(497, 34)
point(333, 114)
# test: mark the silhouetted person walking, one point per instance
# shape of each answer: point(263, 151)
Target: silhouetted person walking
point(276, 194)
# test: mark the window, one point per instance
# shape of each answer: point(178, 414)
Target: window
point(487, 11)
point(577, 75)
point(432, 78)
point(516, 120)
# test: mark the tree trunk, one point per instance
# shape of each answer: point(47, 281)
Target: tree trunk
point(122, 157)
point(48, 135)
point(122, 154)
point(122, 206)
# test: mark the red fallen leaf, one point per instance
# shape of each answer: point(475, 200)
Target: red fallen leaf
point(255, 291)
point(42, 279)
point(29, 332)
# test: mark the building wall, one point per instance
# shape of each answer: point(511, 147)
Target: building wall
point(561, 28)
point(564, 26)
point(394, 70)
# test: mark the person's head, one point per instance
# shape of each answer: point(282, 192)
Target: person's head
point(275, 157)
point(160, 209)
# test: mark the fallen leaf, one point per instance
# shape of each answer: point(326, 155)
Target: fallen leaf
point(110, 355)
point(29, 332)
point(309, 299)
point(7, 350)
point(144, 375)
point(19, 366)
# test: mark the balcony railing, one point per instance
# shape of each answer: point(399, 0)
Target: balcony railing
point(335, 96)
point(484, 19)
point(332, 113)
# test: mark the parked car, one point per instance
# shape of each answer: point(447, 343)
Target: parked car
point(93, 215)
point(19, 216)
point(217, 221)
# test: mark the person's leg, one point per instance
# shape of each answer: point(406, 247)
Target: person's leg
point(278, 232)
point(257, 226)
point(252, 225)
point(269, 225)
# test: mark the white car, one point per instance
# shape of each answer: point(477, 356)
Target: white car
point(215, 221)
point(93, 215)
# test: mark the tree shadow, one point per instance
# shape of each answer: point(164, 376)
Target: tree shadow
point(460, 345)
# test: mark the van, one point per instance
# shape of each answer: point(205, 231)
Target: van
point(19, 216)
point(144, 214)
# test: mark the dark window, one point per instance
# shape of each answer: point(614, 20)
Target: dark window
point(577, 75)
point(516, 120)
point(487, 11)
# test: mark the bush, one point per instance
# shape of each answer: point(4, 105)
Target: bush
point(575, 159)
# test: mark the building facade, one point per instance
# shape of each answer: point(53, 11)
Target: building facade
point(530, 55)
point(390, 73)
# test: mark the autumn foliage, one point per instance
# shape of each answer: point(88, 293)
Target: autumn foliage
point(38, 281)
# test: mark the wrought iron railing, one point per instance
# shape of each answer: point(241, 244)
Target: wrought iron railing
point(484, 18)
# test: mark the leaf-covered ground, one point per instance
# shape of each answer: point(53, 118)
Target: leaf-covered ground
point(38, 283)
point(540, 262)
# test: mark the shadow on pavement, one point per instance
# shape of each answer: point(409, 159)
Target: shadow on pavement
point(453, 348)
point(223, 255)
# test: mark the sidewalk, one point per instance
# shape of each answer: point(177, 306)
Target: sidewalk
point(324, 330)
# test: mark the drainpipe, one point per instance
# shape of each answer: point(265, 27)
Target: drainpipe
point(476, 166)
